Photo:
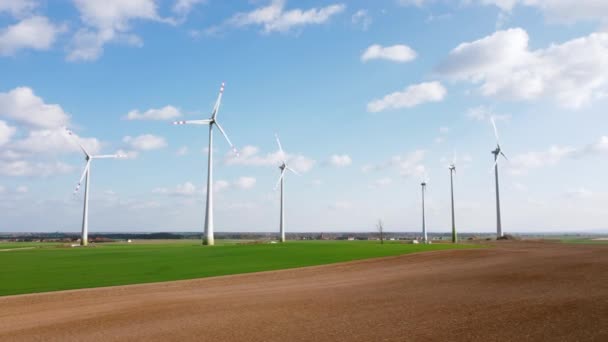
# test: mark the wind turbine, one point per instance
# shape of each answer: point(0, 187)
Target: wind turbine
point(497, 153)
point(281, 181)
point(208, 237)
point(452, 168)
point(423, 185)
point(84, 239)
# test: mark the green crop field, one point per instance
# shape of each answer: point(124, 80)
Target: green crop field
point(55, 268)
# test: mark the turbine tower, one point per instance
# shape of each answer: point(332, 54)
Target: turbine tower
point(84, 238)
point(497, 153)
point(281, 181)
point(424, 235)
point(452, 168)
point(208, 237)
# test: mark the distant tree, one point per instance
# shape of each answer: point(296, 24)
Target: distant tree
point(380, 227)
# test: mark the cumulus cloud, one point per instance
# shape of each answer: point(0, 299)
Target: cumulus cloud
point(54, 141)
point(145, 142)
point(411, 96)
point(396, 53)
point(109, 21)
point(382, 182)
point(165, 113)
point(29, 168)
point(35, 33)
point(18, 8)
point(522, 163)
point(23, 106)
point(187, 189)
point(578, 193)
point(572, 73)
point(408, 165)
point(6, 132)
point(182, 151)
point(245, 182)
point(183, 7)
point(362, 18)
point(340, 160)
point(564, 11)
point(250, 156)
point(275, 18)
point(484, 113)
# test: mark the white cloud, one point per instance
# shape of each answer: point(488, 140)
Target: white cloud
point(22, 189)
point(27, 168)
point(182, 151)
point(183, 7)
point(145, 142)
point(165, 113)
point(54, 141)
point(109, 21)
point(22, 105)
point(565, 11)
point(186, 190)
point(250, 156)
point(340, 205)
point(408, 165)
point(274, 17)
point(522, 163)
point(362, 18)
point(36, 33)
point(572, 73)
point(382, 182)
point(483, 113)
point(17, 8)
point(417, 3)
point(6, 132)
point(340, 160)
point(245, 182)
point(411, 96)
point(220, 185)
point(396, 53)
point(579, 193)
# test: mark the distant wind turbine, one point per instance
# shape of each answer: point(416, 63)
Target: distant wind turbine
point(281, 181)
point(424, 234)
point(452, 168)
point(84, 239)
point(497, 153)
point(208, 237)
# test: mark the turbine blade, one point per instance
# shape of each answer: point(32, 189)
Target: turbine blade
point(216, 107)
point(292, 170)
point(226, 136)
point(107, 156)
point(78, 142)
point(84, 172)
point(192, 122)
point(504, 156)
point(280, 148)
point(279, 181)
point(495, 130)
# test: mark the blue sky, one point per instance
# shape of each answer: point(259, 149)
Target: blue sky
point(367, 97)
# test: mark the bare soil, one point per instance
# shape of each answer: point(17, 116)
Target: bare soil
point(516, 291)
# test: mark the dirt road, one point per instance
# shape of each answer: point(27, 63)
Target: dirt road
point(516, 291)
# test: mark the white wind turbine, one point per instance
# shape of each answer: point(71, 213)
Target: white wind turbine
point(208, 237)
point(84, 239)
point(281, 181)
point(452, 168)
point(497, 153)
point(423, 185)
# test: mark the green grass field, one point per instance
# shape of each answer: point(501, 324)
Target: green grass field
point(52, 268)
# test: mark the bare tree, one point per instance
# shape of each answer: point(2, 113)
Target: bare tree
point(380, 227)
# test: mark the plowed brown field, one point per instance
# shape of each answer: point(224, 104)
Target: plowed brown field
point(516, 291)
